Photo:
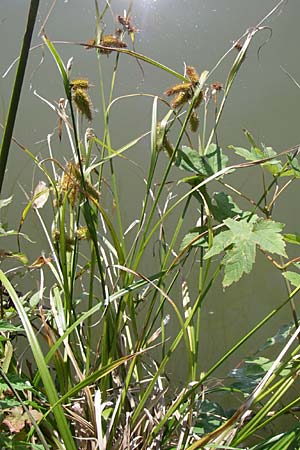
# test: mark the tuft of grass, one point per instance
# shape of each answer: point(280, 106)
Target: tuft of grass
point(97, 324)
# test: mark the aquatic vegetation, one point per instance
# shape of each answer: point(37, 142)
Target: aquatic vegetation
point(96, 323)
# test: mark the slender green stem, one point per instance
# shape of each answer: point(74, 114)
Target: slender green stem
point(16, 93)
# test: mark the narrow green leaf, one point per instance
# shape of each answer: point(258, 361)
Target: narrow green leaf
point(7, 326)
point(50, 389)
point(60, 65)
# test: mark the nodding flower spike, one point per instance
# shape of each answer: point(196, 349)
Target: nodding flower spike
point(183, 87)
point(192, 74)
point(80, 84)
point(180, 99)
point(83, 102)
point(194, 122)
point(111, 41)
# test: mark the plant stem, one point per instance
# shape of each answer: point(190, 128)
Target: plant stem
point(16, 93)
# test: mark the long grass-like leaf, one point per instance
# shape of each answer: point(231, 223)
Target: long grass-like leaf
point(48, 383)
point(16, 93)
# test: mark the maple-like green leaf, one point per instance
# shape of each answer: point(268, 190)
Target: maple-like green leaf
point(267, 234)
point(192, 235)
point(293, 277)
point(255, 154)
point(221, 242)
point(213, 161)
point(240, 241)
point(237, 261)
point(249, 155)
point(223, 207)
point(292, 238)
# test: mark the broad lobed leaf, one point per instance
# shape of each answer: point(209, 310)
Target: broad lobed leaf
point(239, 243)
point(209, 164)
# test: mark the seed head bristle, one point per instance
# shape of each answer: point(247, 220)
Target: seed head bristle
point(180, 99)
point(192, 74)
point(80, 84)
point(90, 43)
point(83, 102)
point(183, 87)
point(168, 146)
point(111, 41)
point(198, 100)
point(194, 122)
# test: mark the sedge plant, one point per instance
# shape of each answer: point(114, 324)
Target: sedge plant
point(98, 325)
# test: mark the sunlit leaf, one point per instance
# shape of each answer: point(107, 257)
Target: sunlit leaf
point(240, 241)
point(13, 255)
point(293, 277)
point(191, 238)
point(40, 195)
point(6, 326)
point(284, 441)
point(255, 154)
point(292, 238)
point(5, 201)
point(17, 383)
point(250, 373)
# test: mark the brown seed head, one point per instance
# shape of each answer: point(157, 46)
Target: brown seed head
point(194, 122)
point(180, 99)
point(216, 86)
point(90, 43)
point(111, 41)
point(83, 102)
point(80, 84)
point(183, 87)
point(192, 74)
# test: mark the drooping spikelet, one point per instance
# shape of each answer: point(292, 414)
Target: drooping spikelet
point(80, 84)
point(194, 121)
point(183, 87)
point(111, 41)
point(180, 99)
point(83, 233)
point(198, 100)
point(68, 184)
point(216, 87)
point(127, 24)
point(192, 74)
point(90, 44)
point(168, 146)
point(82, 102)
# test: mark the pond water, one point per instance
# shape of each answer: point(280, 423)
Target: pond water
point(174, 32)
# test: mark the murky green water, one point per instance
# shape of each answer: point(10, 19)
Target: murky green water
point(195, 32)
